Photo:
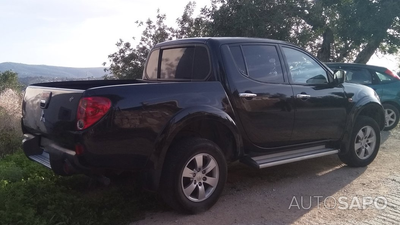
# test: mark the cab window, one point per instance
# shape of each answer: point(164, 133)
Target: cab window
point(183, 63)
point(258, 62)
point(303, 69)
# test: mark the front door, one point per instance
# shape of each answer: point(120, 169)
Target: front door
point(320, 106)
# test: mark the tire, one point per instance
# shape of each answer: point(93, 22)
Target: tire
point(57, 165)
point(364, 143)
point(187, 190)
point(391, 116)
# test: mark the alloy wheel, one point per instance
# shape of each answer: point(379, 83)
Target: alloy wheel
point(365, 142)
point(390, 117)
point(200, 177)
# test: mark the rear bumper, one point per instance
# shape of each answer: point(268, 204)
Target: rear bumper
point(61, 160)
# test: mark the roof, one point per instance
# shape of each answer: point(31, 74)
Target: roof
point(221, 40)
point(359, 65)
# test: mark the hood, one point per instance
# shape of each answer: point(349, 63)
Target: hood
point(359, 91)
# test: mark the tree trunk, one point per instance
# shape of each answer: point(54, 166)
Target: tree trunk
point(324, 53)
point(364, 56)
point(387, 14)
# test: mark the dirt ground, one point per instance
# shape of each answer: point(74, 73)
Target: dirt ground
point(315, 191)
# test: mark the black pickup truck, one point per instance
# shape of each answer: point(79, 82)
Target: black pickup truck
point(202, 103)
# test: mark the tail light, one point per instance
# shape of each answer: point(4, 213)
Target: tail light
point(390, 73)
point(91, 110)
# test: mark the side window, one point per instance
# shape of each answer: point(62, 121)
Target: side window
point(384, 78)
point(263, 63)
point(303, 69)
point(152, 65)
point(237, 55)
point(358, 76)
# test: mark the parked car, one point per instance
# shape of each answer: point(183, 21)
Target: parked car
point(382, 80)
point(203, 102)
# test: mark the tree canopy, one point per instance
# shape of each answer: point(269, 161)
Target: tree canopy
point(359, 28)
point(333, 30)
point(9, 79)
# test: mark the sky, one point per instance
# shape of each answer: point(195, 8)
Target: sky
point(82, 33)
point(75, 33)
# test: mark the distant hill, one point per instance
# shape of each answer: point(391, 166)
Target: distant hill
point(25, 70)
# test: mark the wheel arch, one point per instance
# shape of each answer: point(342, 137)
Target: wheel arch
point(200, 121)
point(373, 110)
point(393, 103)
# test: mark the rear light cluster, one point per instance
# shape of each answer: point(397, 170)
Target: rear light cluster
point(390, 73)
point(91, 110)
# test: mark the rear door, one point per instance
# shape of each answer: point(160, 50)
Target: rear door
point(262, 93)
point(320, 107)
point(387, 86)
point(51, 113)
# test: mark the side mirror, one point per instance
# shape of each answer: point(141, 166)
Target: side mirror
point(339, 76)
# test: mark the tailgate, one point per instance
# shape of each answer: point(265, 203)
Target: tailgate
point(51, 113)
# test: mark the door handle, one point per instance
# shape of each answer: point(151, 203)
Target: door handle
point(303, 96)
point(247, 95)
point(42, 103)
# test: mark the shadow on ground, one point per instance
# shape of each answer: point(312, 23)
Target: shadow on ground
point(265, 196)
point(250, 195)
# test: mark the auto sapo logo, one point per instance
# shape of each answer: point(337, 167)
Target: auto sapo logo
point(341, 202)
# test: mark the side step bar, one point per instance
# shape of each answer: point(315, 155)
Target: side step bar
point(288, 156)
point(43, 159)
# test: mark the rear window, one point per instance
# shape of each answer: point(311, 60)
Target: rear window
point(184, 63)
point(177, 63)
point(152, 65)
point(385, 78)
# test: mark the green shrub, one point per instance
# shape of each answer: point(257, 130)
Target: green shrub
point(32, 194)
point(10, 141)
point(9, 80)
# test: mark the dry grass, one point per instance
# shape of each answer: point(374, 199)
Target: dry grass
point(11, 102)
point(10, 115)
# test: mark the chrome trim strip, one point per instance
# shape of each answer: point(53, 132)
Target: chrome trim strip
point(303, 96)
point(275, 163)
point(58, 89)
point(247, 95)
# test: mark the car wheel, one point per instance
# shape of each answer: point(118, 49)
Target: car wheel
point(194, 175)
point(391, 116)
point(364, 145)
